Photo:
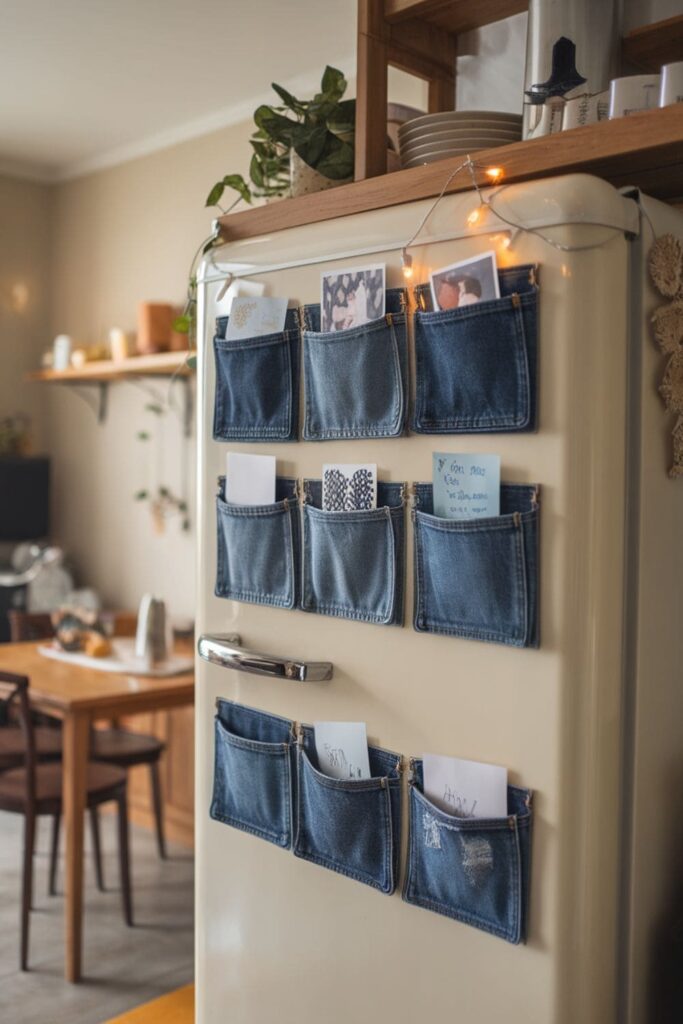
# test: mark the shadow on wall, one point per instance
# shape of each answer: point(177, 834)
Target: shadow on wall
point(665, 980)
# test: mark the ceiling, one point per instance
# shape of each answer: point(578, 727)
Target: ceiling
point(90, 83)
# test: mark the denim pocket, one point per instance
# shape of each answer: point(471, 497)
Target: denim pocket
point(257, 385)
point(476, 366)
point(353, 562)
point(258, 549)
point(355, 381)
point(478, 578)
point(253, 771)
point(352, 826)
point(475, 870)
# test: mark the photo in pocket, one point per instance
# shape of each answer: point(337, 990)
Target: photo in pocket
point(466, 283)
point(351, 298)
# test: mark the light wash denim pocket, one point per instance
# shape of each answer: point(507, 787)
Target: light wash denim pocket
point(475, 366)
point(475, 870)
point(253, 772)
point(352, 826)
point(478, 578)
point(257, 385)
point(258, 549)
point(355, 381)
point(354, 562)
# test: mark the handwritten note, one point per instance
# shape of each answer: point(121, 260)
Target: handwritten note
point(466, 486)
point(342, 749)
point(467, 789)
point(254, 316)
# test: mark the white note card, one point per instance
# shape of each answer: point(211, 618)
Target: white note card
point(467, 789)
point(342, 749)
point(249, 479)
point(253, 316)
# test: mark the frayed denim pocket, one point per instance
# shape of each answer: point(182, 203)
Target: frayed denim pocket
point(352, 826)
point(355, 381)
point(476, 366)
point(253, 772)
point(475, 870)
point(478, 578)
point(354, 562)
point(257, 386)
point(258, 549)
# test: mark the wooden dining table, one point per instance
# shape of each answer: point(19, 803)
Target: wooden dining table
point(80, 696)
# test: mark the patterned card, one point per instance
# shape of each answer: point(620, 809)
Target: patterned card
point(252, 316)
point(349, 487)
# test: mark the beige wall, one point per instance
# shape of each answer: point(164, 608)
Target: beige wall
point(120, 236)
point(25, 228)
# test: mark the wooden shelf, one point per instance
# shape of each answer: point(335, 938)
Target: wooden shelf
point(649, 47)
point(162, 364)
point(453, 15)
point(645, 149)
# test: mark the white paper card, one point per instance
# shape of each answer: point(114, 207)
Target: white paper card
point(467, 789)
point(349, 486)
point(342, 749)
point(249, 479)
point(255, 316)
point(230, 289)
point(465, 486)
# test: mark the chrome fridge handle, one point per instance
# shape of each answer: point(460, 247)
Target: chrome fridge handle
point(223, 649)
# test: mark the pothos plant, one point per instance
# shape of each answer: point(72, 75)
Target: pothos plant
point(320, 131)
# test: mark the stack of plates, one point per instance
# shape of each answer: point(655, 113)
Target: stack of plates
point(455, 133)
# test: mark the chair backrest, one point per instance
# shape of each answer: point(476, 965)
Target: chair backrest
point(14, 691)
point(29, 626)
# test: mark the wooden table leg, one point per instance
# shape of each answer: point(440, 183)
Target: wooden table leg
point(75, 759)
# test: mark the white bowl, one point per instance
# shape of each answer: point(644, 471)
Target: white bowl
point(431, 158)
point(454, 116)
point(471, 127)
point(459, 138)
point(444, 147)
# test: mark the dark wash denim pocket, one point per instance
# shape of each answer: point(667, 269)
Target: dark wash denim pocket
point(352, 826)
point(478, 578)
point(253, 772)
point(476, 366)
point(258, 549)
point(257, 385)
point(475, 870)
point(355, 381)
point(354, 562)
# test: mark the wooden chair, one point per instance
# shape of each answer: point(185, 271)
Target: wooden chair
point(120, 747)
point(36, 789)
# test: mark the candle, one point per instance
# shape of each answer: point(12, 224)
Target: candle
point(118, 343)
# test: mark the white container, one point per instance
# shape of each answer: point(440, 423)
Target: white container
point(633, 94)
point(61, 352)
point(585, 109)
point(671, 85)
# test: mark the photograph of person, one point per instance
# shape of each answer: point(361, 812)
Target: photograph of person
point(352, 297)
point(466, 282)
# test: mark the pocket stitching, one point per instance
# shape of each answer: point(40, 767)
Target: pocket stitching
point(283, 427)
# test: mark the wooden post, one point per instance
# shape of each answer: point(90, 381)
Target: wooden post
point(371, 91)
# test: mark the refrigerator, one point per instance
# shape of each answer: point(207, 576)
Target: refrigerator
point(548, 642)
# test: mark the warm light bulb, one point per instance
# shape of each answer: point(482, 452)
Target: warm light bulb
point(407, 264)
point(494, 173)
point(473, 217)
point(505, 242)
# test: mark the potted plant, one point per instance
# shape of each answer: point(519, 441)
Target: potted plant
point(299, 146)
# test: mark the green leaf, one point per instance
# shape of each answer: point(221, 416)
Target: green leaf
point(337, 160)
point(181, 325)
point(164, 492)
point(154, 407)
point(312, 148)
point(289, 101)
point(185, 526)
point(142, 435)
point(191, 362)
point(141, 495)
point(256, 171)
point(277, 127)
point(333, 83)
point(215, 194)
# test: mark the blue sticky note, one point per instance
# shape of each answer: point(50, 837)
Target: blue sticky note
point(466, 486)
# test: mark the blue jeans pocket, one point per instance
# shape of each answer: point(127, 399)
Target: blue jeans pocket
point(476, 366)
point(353, 562)
point(253, 771)
point(257, 386)
point(478, 578)
point(352, 826)
point(475, 870)
point(258, 549)
point(355, 381)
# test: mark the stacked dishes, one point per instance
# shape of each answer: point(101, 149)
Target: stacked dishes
point(455, 133)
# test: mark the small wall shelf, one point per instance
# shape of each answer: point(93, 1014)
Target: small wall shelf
point(104, 372)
